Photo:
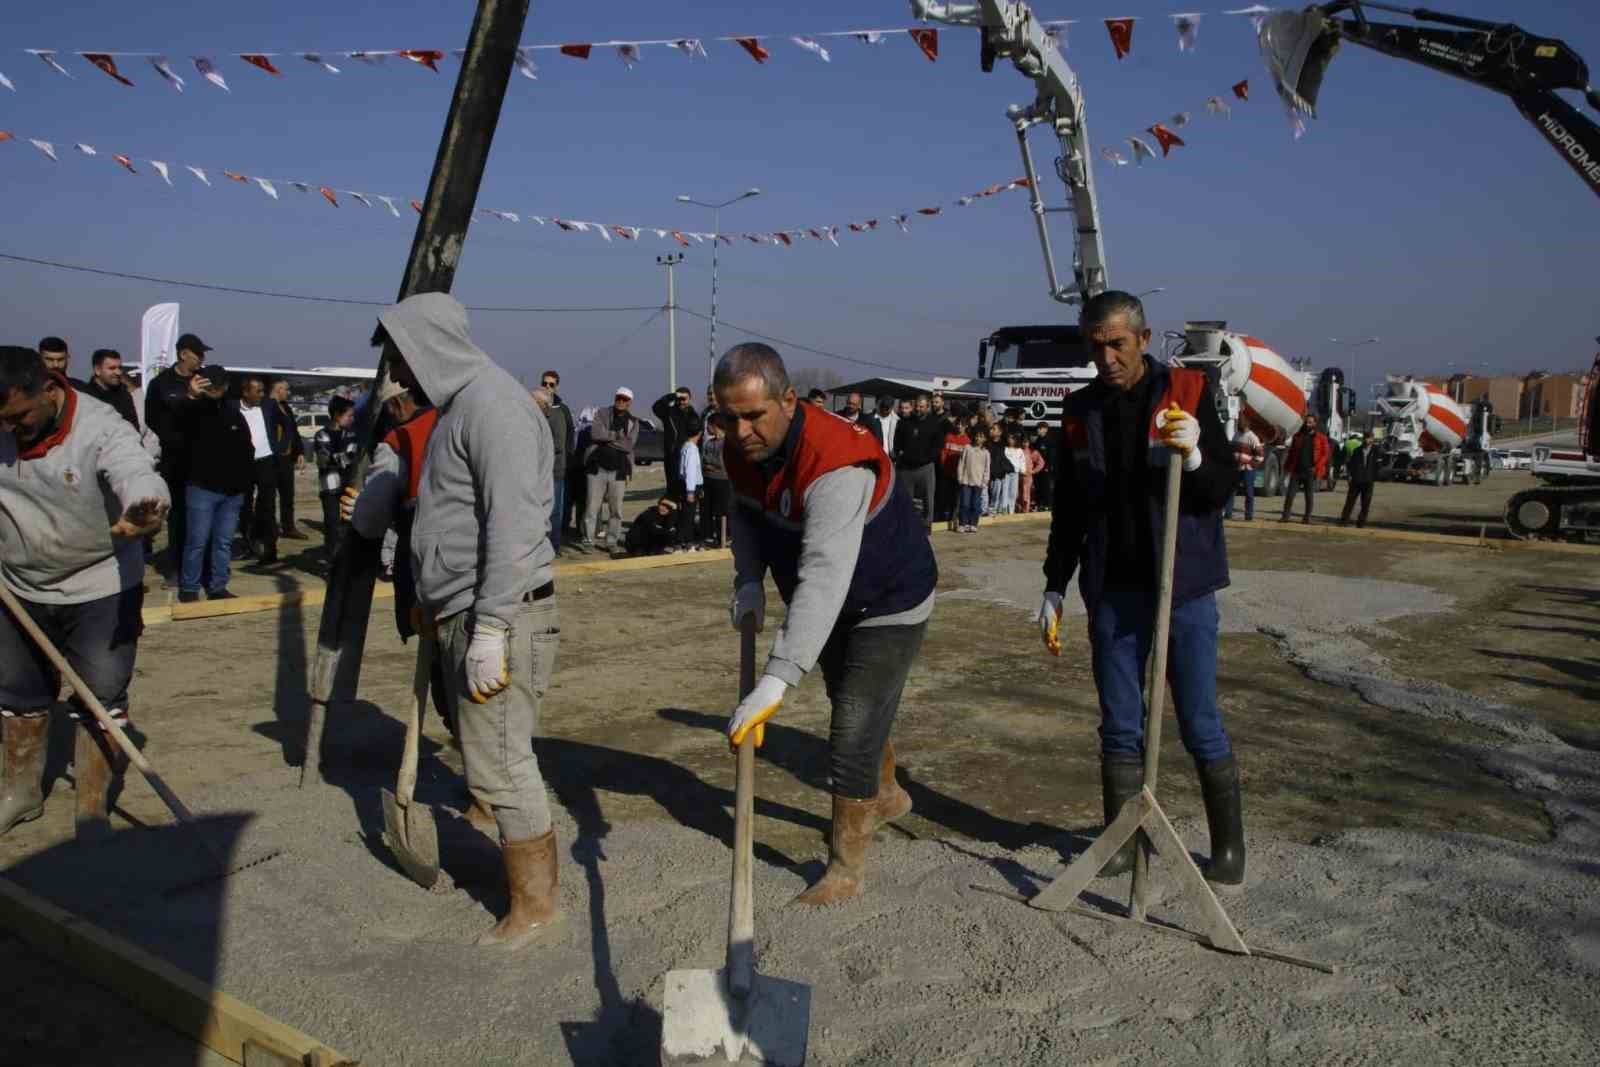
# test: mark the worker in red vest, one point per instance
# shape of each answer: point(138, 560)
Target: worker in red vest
point(817, 507)
point(1116, 436)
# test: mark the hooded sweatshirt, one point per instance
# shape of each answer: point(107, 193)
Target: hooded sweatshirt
point(480, 538)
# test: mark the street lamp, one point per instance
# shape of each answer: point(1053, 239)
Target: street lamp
point(716, 236)
point(1352, 346)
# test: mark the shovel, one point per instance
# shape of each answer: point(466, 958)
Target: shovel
point(408, 827)
point(734, 1011)
point(179, 811)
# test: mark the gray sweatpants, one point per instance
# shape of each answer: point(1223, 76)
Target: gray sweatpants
point(497, 737)
point(604, 487)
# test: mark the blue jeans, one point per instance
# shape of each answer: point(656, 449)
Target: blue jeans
point(997, 492)
point(971, 505)
point(212, 520)
point(558, 501)
point(1120, 635)
point(1247, 485)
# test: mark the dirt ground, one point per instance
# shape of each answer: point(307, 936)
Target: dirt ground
point(1415, 727)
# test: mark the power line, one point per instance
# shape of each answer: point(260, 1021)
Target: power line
point(805, 348)
point(277, 295)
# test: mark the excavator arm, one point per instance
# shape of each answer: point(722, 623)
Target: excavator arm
point(1501, 57)
point(1010, 31)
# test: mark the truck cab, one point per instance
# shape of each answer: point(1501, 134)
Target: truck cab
point(1034, 368)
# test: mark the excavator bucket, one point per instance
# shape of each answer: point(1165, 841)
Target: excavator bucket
point(1297, 47)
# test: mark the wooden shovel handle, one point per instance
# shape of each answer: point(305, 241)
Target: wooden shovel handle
point(421, 679)
point(741, 965)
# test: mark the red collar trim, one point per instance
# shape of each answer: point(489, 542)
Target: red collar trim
point(41, 448)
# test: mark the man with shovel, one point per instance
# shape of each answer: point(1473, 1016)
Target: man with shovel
point(1107, 526)
point(481, 558)
point(78, 495)
point(818, 507)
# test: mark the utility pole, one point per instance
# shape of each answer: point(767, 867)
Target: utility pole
point(669, 261)
point(716, 238)
point(441, 231)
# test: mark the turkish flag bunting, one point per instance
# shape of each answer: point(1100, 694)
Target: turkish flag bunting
point(576, 51)
point(5, 136)
point(677, 235)
point(426, 56)
point(928, 41)
point(107, 64)
point(1121, 31)
point(1165, 138)
point(235, 176)
point(126, 162)
point(753, 46)
point(1242, 90)
point(783, 238)
point(416, 205)
point(327, 194)
point(256, 59)
point(929, 210)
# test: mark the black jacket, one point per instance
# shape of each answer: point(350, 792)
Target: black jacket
point(282, 429)
point(221, 455)
point(1362, 465)
point(918, 440)
point(118, 398)
point(1079, 523)
point(676, 426)
point(166, 396)
point(999, 464)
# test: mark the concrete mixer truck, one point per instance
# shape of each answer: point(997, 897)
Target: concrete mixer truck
point(1256, 388)
point(1430, 438)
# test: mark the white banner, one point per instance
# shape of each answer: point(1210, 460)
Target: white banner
point(158, 335)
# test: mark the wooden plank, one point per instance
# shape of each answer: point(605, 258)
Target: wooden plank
point(1220, 930)
point(171, 996)
point(1063, 892)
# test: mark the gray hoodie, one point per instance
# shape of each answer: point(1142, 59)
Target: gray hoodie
point(480, 537)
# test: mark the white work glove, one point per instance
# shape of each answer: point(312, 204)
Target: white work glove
point(1180, 430)
point(754, 710)
point(1050, 623)
point(488, 671)
point(749, 599)
point(347, 502)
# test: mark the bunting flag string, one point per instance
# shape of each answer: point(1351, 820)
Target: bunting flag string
point(1163, 133)
point(606, 231)
point(1186, 25)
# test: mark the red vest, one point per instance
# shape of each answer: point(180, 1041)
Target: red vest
point(410, 442)
point(1184, 388)
point(826, 443)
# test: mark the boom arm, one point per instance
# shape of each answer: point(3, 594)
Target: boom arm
point(1010, 31)
point(1498, 56)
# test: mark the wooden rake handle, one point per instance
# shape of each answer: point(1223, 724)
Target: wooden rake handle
point(741, 962)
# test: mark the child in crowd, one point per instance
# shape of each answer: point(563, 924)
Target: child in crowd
point(718, 493)
point(999, 467)
point(654, 530)
point(1019, 463)
point(972, 477)
point(1035, 464)
point(693, 480)
point(955, 439)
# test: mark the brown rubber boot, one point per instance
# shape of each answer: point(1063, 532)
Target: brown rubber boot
point(22, 789)
point(893, 802)
point(853, 823)
point(97, 768)
point(531, 875)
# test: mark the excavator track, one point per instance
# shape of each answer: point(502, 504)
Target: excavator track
point(1554, 513)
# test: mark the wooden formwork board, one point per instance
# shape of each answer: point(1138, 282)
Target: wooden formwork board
point(222, 1023)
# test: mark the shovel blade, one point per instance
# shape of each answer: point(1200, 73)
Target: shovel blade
point(410, 833)
point(701, 1022)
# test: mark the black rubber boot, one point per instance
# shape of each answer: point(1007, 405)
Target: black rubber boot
point(1219, 786)
point(1121, 778)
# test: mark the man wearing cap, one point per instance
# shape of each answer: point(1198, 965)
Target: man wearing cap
point(77, 497)
point(482, 559)
point(608, 464)
point(164, 397)
point(220, 468)
point(818, 506)
point(676, 413)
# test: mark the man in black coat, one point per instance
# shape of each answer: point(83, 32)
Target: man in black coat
point(677, 415)
point(105, 384)
point(918, 440)
point(1362, 468)
point(165, 397)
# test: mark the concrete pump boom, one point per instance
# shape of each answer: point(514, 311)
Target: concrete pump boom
point(1010, 31)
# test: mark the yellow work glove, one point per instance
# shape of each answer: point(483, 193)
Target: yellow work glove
point(1179, 430)
point(347, 502)
point(1050, 623)
point(754, 710)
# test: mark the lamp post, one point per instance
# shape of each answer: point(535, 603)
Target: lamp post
point(716, 237)
point(669, 261)
point(1352, 346)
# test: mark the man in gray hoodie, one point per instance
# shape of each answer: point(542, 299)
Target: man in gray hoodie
point(481, 556)
point(77, 498)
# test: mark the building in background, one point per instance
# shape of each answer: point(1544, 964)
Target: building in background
point(1552, 395)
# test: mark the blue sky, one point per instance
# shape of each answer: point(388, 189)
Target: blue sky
point(1418, 209)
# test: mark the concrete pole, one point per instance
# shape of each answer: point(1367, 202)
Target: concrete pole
point(670, 261)
point(716, 239)
point(441, 231)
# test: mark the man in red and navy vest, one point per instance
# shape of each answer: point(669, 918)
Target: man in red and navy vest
point(1110, 503)
point(817, 507)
